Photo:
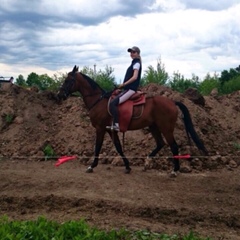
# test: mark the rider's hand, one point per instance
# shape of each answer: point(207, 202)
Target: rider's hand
point(121, 86)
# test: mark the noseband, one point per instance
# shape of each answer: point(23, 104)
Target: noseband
point(70, 83)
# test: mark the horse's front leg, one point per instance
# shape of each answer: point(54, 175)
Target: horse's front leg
point(118, 146)
point(98, 145)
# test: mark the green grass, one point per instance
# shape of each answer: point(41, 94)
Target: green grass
point(49, 152)
point(236, 146)
point(43, 229)
point(8, 118)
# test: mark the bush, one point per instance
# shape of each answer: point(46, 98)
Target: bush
point(48, 152)
point(208, 85)
point(231, 86)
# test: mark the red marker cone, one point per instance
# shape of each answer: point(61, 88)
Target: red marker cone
point(64, 159)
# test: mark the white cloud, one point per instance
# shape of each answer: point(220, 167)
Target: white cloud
point(79, 7)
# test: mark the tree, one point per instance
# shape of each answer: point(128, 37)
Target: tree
point(208, 84)
point(238, 69)
point(104, 78)
point(180, 84)
point(45, 82)
point(21, 81)
point(231, 86)
point(159, 76)
point(58, 79)
point(33, 80)
point(228, 75)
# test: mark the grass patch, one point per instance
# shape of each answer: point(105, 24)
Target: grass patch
point(236, 146)
point(49, 152)
point(9, 118)
point(43, 229)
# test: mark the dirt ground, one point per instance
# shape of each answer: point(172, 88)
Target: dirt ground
point(204, 197)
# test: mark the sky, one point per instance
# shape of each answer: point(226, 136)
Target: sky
point(188, 36)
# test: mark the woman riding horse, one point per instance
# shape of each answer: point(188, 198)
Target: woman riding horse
point(160, 115)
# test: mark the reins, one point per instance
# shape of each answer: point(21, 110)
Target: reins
point(98, 100)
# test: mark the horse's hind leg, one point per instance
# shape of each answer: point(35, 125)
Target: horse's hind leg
point(158, 138)
point(118, 146)
point(159, 145)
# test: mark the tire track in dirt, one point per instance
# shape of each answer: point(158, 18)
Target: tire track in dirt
point(52, 203)
point(207, 202)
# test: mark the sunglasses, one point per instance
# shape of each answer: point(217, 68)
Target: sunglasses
point(133, 52)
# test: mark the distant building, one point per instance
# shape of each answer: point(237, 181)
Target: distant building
point(5, 81)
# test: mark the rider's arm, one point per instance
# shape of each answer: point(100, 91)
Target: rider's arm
point(133, 78)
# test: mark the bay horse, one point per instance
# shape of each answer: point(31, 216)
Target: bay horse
point(159, 115)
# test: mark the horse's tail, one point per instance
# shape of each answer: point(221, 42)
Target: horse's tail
point(190, 128)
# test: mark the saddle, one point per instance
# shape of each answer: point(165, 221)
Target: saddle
point(132, 108)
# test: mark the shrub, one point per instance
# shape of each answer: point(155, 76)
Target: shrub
point(48, 152)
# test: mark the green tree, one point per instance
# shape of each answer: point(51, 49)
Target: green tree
point(180, 84)
point(104, 78)
point(21, 81)
point(159, 76)
point(58, 79)
point(231, 86)
point(208, 84)
point(228, 75)
point(33, 80)
point(45, 82)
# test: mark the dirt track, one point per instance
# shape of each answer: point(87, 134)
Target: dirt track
point(206, 202)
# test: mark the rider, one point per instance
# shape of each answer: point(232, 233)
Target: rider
point(130, 85)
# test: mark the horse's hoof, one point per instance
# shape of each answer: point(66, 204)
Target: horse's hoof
point(173, 174)
point(89, 170)
point(127, 171)
point(148, 164)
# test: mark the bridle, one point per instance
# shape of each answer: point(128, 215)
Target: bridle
point(67, 86)
point(70, 83)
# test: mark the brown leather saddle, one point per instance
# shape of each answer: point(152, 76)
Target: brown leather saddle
point(132, 108)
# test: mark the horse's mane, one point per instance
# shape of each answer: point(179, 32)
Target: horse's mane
point(92, 83)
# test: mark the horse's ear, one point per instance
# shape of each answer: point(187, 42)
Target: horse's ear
point(77, 68)
point(74, 68)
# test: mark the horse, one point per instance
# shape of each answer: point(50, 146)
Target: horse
point(159, 116)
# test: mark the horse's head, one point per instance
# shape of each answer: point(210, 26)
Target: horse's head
point(68, 85)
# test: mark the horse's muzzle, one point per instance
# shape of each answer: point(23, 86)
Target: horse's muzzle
point(60, 97)
point(63, 93)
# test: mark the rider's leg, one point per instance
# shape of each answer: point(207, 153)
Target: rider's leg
point(125, 96)
point(114, 109)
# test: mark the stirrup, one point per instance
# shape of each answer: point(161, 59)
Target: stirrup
point(113, 128)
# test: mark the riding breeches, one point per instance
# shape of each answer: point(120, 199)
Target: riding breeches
point(121, 98)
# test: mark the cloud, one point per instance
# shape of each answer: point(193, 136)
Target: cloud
point(53, 36)
point(210, 5)
point(172, 5)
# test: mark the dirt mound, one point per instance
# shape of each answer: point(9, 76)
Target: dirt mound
point(205, 200)
point(31, 120)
